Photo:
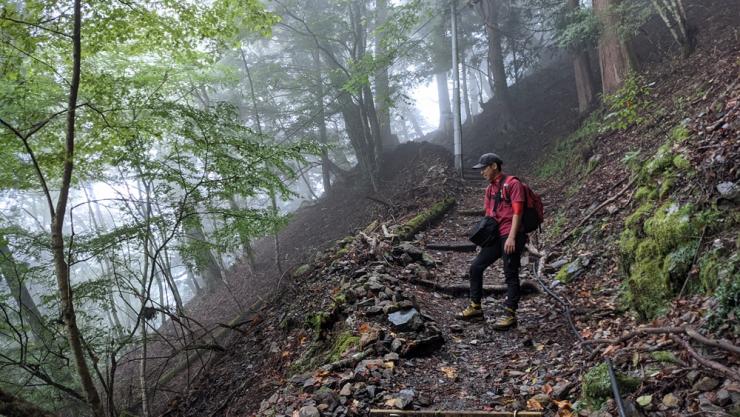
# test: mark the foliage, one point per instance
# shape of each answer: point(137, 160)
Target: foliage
point(628, 105)
point(631, 16)
point(727, 294)
point(578, 29)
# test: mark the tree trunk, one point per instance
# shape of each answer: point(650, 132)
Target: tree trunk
point(411, 115)
point(244, 239)
point(27, 309)
point(466, 94)
point(615, 56)
point(585, 85)
point(275, 235)
point(142, 371)
point(205, 262)
point(61, 267)
point(321, 121)
point(382, 87)
point(490, 12)
point(445, 109)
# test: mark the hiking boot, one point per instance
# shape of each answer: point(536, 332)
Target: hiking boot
point(472, 311)
point(506, 321)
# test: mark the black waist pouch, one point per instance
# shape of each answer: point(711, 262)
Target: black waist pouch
point(485, 232)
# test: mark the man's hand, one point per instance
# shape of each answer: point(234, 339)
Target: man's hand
point(510, 245)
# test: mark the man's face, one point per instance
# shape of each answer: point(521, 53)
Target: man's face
point(489, 172)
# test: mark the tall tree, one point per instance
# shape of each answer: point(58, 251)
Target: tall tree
point(585, 84)
point(490, 11)
point(616, 58)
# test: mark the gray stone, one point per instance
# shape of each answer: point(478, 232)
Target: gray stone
point(705, 384)
point(346, 390)
point(392, 357)
point(309, 411)
point(409, 248)
point(406, 320)
point(396, 344)
point(723, 397)
point(729, 191)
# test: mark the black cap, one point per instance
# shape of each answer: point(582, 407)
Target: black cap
point(488, 159)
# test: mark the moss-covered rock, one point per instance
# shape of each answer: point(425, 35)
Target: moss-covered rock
point(671, 226)
point(342, 342)
point(596, 385)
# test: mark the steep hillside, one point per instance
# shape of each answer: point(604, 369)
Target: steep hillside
point(637, 263)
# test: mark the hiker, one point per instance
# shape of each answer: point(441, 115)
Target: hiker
point(504, 202)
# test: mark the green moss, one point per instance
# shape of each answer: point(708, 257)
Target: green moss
point(679, 134)
point(671, 226)
point(647, 249)
point(648, 289)
point(709, 266)
point(411, 227)
point(340, 299)
point(665, 356)
point(662, 159)
point(596, 385)
point(317, 321)
point(635, 220)
point(645, 193)
point(676, 265)
point(666, 185)
point(680, 162)
point(562, 275)
point(342, 343)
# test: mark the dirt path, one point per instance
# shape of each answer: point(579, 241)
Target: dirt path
point(478, 367)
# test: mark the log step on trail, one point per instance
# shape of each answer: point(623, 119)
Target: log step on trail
point(463, 289)
point(471, 212)
point(452, 246)
point(454, 413)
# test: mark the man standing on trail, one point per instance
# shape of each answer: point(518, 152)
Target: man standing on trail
point(504, 202)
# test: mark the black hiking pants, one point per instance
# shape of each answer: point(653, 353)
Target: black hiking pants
point(487, 256)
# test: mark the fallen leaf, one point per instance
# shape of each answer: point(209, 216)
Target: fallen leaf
point(563, 405)
point(533, 404)
point(364, 328)
point(609, 349)
point(547, 389)
point(449, 372)
point(644, 400)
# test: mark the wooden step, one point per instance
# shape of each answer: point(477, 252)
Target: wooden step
point(452, 246)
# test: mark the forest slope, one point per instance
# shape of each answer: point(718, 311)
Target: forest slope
point(327, 346)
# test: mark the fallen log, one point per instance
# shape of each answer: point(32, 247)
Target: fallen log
point(462, 290)
point(452, 246)
point(425, 218)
